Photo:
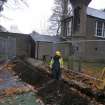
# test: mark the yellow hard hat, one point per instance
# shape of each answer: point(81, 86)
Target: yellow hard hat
point(58, 53)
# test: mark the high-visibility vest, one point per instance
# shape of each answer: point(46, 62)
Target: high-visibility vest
point(60, 61)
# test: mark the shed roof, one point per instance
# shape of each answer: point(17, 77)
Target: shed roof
point(45, 38)
point(95, 13)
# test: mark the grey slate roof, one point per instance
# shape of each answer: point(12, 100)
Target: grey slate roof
point(45, 38)
point(95, 13)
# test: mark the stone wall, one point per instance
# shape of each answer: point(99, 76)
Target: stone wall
point(13, 44)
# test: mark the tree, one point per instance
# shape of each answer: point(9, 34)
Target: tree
point(1, 4)
point(16, 4)
point(55, 17)
point(13, 5)
point(61, 10)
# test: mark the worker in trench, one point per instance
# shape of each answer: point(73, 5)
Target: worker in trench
point(56, 64)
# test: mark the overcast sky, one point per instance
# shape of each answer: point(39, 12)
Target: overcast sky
point(35, 16)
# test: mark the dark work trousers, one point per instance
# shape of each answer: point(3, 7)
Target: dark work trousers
point(56, 73)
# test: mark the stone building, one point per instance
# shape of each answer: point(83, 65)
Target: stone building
point(31, 45)
point(85, 30)
point(14, 44)
point(45, 45)
point(82, 35)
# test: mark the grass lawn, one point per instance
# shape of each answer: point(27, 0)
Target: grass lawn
point(90, 68)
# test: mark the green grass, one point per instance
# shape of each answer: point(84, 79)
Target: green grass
point(95, 66)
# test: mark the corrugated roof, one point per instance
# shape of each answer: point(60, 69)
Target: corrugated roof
point(95, 13)
point(45, 38)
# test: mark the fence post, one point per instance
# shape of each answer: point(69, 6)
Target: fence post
point(70, 62)
point(79, 64)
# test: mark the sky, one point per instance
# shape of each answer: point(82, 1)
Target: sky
point(35, 16)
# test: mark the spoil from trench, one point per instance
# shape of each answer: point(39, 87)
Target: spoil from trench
point(54, 93)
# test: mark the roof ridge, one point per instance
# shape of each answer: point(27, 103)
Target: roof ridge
point(95, 13)
point(96, 9)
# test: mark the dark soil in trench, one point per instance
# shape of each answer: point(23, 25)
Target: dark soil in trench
point(59, 93)
point(31, 75)
point(54, 93)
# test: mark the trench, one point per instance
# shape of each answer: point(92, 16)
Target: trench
point(53, 92)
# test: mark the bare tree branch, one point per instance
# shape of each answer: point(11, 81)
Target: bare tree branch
point(59, 12)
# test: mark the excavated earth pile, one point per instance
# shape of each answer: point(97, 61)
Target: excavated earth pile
point(49, 91)
point(59, 93)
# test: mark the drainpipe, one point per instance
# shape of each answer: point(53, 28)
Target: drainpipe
point(53, 48)
point(37, 49)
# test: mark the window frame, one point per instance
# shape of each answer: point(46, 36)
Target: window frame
point(102, 29)
point(69, 28)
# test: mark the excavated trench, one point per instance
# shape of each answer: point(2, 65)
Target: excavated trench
point(33, 76)
point(53, 92)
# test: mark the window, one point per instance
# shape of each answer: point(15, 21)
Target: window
point(99, 26)
point(100, 29)
point(69, 28)
point(104, 30)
